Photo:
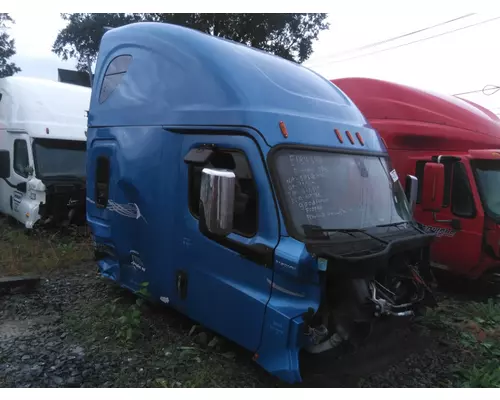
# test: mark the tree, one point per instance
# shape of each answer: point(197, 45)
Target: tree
point(7, 48)
point(287, 35)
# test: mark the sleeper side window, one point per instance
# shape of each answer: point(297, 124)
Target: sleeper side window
point(462, 202)
point(245, 210)
point(102, 182)
point(21, 157)
point(113, 76)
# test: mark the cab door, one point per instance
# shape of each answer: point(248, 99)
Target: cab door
point(458, 244)
point(226, 284)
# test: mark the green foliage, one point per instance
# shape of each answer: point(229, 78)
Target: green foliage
point(7, 48)
point(143, 291)
point(485, 376)
point(475, 327)
point(287, 35)
point(487, 315)
point(127, 322)
point(124, 322)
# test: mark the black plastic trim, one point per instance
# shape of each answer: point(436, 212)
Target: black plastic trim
point(369, 265)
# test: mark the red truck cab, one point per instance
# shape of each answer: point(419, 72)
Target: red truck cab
point(453, 147)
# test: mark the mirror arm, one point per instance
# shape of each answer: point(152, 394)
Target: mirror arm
point(440, 220)
point(455, 223)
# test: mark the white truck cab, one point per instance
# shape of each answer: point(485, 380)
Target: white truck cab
point(42, 150)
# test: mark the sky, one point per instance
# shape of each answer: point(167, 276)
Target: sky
point(452, 63)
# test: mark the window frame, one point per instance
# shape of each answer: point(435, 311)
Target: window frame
point(463, 170)
point(482, 197)
point(20, 173)
point(191, 169)
point(118, 71)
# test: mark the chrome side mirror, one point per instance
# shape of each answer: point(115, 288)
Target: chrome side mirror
point(217, 200)
point(411, 190)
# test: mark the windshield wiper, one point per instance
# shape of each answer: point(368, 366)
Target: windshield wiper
point(350, 231)
point(394, 224)
point(412, 223)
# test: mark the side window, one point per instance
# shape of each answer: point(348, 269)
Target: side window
point(245, 211)
point(21, 157)
point(102, 182)
point(419, 173)
point(113, 76)
point(462, 202)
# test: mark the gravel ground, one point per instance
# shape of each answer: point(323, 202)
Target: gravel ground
point(68, 333)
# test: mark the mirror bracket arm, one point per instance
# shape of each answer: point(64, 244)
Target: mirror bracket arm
point(455, 223)
point(446, 221)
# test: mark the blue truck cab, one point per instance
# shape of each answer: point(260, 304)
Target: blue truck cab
point(248, 192)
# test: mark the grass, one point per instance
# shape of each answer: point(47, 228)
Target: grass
point(474, 328)
point(41, 252)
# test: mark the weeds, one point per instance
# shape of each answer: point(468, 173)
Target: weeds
point(125, 320)
point(40, 252)
point(475, 327)
point(485, 376)
point(129, 322)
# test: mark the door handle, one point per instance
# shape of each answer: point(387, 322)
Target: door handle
point(11, 203)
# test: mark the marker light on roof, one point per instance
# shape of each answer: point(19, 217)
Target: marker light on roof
point(358, 135)
point(284, 132)
point(339, 136)
point(47, 131)
point(349, 136)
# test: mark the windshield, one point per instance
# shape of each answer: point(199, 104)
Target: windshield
point(55, 157)
point(488, 178)
point(339, 191)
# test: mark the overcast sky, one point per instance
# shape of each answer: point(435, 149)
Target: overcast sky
point(452, 63)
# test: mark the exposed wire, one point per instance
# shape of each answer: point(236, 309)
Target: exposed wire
point(409, 43)
point(375, 44)
point(483, 90)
